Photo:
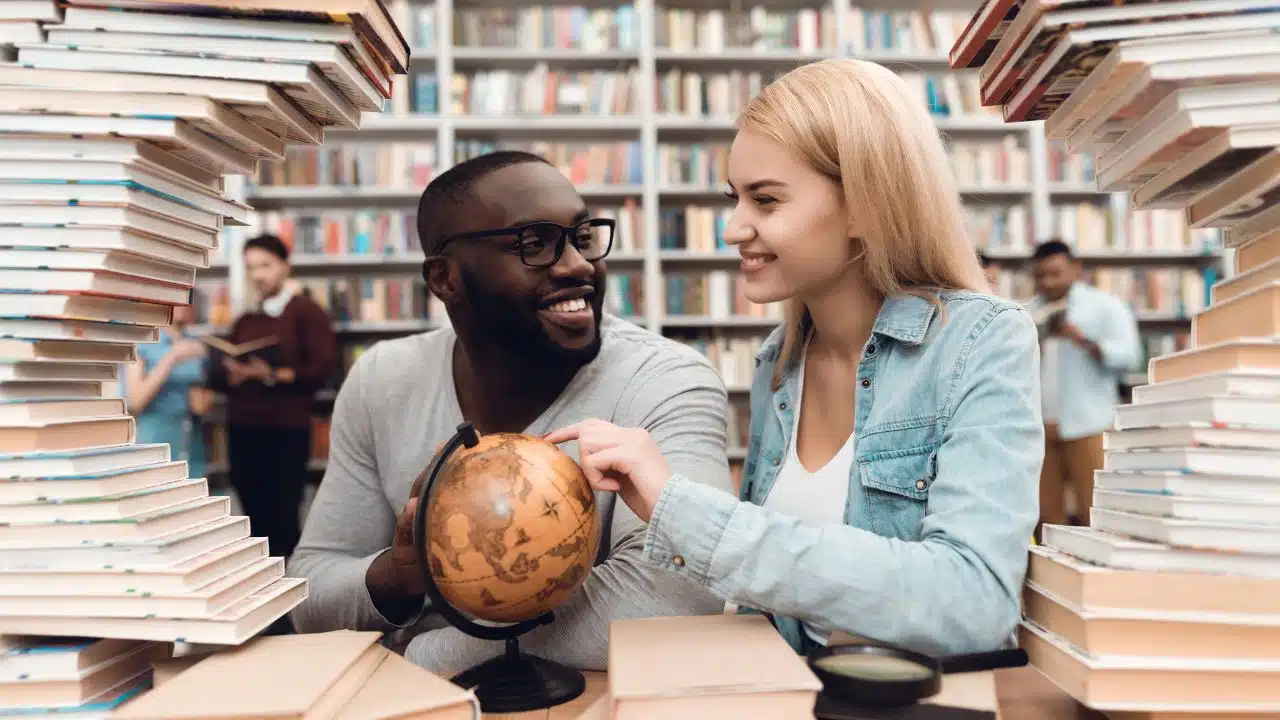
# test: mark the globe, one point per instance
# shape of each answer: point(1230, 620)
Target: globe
point(511, 528)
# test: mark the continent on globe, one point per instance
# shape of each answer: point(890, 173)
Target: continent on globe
point(511, 528)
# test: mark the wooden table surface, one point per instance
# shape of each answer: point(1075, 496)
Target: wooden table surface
point(1023, 694)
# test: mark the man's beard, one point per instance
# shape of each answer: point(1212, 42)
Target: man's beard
point(516, 327)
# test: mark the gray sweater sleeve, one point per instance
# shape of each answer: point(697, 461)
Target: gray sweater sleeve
point(683, 404)
point(350, 522)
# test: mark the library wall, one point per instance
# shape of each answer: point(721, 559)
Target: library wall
point(597, 89)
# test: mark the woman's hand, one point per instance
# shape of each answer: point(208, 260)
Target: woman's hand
point(622, 460)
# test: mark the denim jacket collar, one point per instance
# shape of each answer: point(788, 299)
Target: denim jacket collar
point(904, 318)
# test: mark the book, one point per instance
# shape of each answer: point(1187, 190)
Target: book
point(266, 348)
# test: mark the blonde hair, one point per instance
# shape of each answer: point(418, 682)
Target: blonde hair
point(861, 125)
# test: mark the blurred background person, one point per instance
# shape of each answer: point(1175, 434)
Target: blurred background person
point(271, 391)
point(165, 392)
point(1089, 340)
point(989, 269)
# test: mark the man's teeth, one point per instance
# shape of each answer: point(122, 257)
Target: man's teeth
point(574, 305)
point(755, 261)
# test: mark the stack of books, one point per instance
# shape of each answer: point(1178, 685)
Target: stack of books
point(1169, 604)
point(118, 121)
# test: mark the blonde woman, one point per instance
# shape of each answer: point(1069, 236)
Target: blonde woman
point(890, 487)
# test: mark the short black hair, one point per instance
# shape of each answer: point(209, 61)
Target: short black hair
point(1049, 248)
point(451, 189)
point(269, 243)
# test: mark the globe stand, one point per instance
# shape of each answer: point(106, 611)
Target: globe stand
point(511, 682)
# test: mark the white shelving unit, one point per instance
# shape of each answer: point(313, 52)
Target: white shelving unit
point(651, 129)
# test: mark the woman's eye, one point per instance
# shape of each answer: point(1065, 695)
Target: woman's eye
point(765, 200)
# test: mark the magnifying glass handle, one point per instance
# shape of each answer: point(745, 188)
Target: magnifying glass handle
point(983, 662)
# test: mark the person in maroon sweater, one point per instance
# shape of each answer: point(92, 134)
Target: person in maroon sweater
point(270, 394)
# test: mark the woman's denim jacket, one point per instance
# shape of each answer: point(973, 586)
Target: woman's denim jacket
point(943, 494)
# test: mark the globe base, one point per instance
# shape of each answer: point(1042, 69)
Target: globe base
point(515, 682)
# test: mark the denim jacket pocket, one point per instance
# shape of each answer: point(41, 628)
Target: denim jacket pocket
point(896, 484)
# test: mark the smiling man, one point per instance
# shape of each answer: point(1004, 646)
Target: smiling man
point(518, 261)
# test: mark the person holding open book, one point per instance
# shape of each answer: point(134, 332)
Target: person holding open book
point(165, 392)
point(895, 432)
point(276, 358)
point(1089, 340)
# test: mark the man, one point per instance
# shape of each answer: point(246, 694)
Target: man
point(1089, 339)
point(271, 393)
point(518, 262)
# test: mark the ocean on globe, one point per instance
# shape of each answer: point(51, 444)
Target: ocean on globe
point(511, 528)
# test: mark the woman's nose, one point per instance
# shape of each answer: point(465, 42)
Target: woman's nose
point(737, 229)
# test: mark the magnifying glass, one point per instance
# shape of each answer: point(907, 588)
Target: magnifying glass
point(876, 676)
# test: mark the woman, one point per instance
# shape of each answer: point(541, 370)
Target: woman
point(270, 393)
point(890, 486)
point(163, 390)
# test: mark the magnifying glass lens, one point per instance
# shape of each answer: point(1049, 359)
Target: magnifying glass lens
point(866, 666)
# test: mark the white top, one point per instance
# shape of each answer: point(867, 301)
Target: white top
point(1050, 379)
point(814, 498)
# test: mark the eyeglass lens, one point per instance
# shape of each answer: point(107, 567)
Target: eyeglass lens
point(539, 242)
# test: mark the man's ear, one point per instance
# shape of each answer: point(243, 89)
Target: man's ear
point(441, 278)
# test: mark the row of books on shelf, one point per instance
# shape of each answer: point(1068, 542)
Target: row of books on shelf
point(759, 28)
point(977, 164)
point(548, 27)
point(1092, 229)
point(1004, 232)
point(357, 164)
point(363, 302)
point(916, 33)
point(1155, 293)
point(546, 89)
point(340, 234)
point(374, 300)
point(543, 91)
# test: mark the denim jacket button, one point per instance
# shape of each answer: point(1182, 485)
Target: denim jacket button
point(782, 406)
point(866, 383)
point(871, 349)
point(777, 460)
point(921, 484)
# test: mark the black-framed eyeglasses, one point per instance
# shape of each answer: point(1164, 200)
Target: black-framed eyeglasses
point(541, 244)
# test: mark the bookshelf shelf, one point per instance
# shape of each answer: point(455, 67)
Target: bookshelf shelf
point(738, 56)
point(261, 195)
point(701, 321)
point(534, 123)
point(355, 260)
point(384, 326)
point(499, 56)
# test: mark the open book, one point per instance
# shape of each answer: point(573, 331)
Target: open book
point(265, 348)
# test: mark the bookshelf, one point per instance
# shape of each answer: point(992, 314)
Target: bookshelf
point(642, 136)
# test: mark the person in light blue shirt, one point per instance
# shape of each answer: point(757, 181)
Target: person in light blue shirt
point(890, 486)
point(158, 390)
point(1089, 341)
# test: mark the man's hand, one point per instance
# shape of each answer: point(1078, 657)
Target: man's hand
point(240, 372)
point(258, 368)
point(237, 372)
point(1073, 333)
point(394, 578)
